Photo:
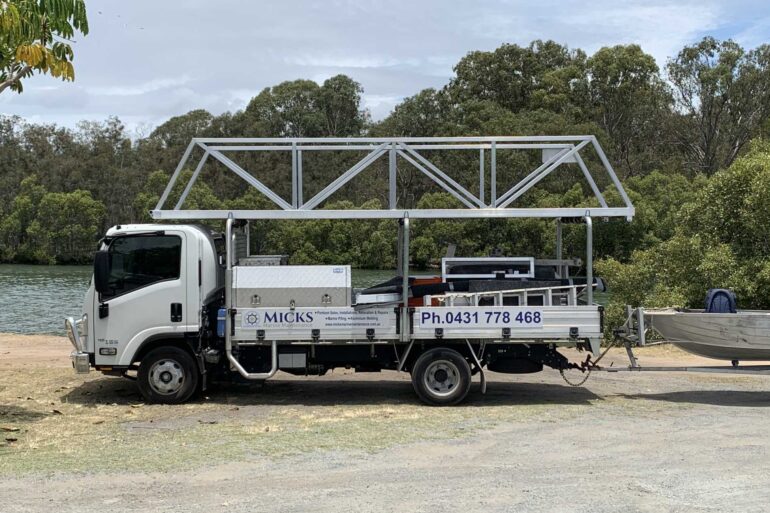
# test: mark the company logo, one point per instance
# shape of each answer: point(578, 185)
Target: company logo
point(251, 319)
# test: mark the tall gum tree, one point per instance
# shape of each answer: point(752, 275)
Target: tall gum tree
point(722, 95)
point(627, 98)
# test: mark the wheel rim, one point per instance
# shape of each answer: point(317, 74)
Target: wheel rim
point(441, 378)
point(166, 377)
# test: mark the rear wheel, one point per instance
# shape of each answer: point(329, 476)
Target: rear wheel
point(168, 375)
point(441, 376)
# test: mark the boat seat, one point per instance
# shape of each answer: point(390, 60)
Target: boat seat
point(721, 301)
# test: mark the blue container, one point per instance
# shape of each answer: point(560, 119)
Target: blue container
point(221, 317)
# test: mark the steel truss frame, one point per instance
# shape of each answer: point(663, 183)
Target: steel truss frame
point(557, 150)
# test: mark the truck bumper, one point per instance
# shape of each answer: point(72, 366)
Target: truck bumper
point(81, 362)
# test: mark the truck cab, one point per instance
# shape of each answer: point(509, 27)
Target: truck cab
point(151, 283)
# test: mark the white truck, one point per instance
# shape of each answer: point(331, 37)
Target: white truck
point(179, 306)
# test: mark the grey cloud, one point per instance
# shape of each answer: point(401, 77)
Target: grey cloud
point(147, 60)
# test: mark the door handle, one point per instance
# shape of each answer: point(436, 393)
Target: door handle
point(176, 312)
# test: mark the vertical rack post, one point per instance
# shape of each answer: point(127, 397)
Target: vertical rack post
point(589, 261)
point(559, 249)
point(405, 318)
point(399, 247)
point(229, 250)
point(248, 238)
point(493, 175)
point(294, 176)
point(299, 178)
point(392, 198)
point(481, 175)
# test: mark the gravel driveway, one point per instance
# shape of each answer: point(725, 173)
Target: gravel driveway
point(623, 442)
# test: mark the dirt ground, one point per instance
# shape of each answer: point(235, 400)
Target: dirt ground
point(347, 442)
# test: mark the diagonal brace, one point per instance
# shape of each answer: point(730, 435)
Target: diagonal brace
point(590, 179)
point(436, 179)
point(345, 177)
point(529, 177)
point(238, 170)
point(174, 176)
point(427, 163)
point(193, 178)
point(534, 181)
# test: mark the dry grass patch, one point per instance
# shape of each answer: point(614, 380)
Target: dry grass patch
point(66, 423)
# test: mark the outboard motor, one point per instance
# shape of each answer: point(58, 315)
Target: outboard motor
point(721, 301)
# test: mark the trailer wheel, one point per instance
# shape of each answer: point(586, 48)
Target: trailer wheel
point(167, 375)
point(441, 377)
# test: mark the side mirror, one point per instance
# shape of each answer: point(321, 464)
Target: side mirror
point(102, 272)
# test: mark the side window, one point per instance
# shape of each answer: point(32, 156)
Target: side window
point(141, 260)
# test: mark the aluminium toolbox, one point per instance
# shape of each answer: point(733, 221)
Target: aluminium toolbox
point(292, 286)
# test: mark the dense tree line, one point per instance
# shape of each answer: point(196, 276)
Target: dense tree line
point(717, 236)
point(680, 139)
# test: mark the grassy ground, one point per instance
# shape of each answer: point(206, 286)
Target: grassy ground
point(52, 420)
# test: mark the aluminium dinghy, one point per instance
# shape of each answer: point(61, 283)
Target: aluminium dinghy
point(743, 335)
point(719, 331)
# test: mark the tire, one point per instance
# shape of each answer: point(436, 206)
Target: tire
point(168, 375)
point(441, 377)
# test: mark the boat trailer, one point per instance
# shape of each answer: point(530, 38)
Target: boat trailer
point(633, 333)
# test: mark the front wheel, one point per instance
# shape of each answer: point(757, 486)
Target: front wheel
point(441, 377)
point(167, 375)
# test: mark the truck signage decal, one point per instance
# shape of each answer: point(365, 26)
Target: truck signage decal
point(316, 318)
point(479, 317)
point(287, 318)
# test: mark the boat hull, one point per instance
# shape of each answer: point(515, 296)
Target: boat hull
point(730, 336)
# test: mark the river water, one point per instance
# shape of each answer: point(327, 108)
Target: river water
point(37, 298)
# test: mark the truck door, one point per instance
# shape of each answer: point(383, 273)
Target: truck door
point(147, 296)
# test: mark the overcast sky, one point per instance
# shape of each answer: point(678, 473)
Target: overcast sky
point(145, 61)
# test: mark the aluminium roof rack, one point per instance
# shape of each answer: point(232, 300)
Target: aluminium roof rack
point(556, 150)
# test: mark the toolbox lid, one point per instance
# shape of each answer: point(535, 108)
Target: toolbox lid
point(291, 276)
